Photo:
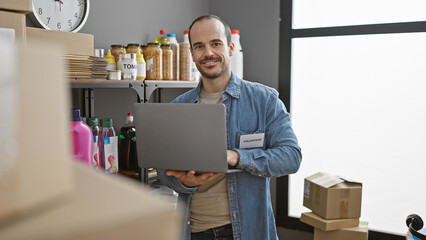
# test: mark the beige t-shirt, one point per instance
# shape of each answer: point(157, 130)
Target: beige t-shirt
point(210, 204)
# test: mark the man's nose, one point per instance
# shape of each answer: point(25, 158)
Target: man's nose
point(208, 51)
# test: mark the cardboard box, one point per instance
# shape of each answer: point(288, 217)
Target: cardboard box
point(34, 132)
point(354, 233)
point(15, 21)
point(24, 6)
point(72, 43)
point(332, 197)
point(102, 207)
point(320, 223)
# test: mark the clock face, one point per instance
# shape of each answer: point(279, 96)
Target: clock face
point(61, 15)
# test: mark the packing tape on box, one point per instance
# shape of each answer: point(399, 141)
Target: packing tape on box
point(344, 209)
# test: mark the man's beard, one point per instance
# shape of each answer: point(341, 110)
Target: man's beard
point(217, 74)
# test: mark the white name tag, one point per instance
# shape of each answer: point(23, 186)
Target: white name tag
point(252, 140)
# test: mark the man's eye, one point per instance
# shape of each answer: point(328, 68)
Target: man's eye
point(198, 47)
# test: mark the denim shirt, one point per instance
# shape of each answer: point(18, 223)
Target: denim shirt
point(250, 108)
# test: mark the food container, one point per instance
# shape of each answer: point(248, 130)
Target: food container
point(167, 62)
point(99, 52)
point(132, 48)
point(128, 66)
point(116, 49)
point(114, 75)
point(185, 61)
point(154, 62)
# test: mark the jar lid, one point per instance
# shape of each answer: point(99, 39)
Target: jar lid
point(117, 45)
point(151, 43)
point(144, 45)
point(166, 45)
point(171, 34)
point(133, 45)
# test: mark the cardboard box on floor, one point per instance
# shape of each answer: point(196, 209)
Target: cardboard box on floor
point(34, 135)
point(354, 233)
point(318, 222)
point(332, 197)
point(102, 207)
point(15, 21)
point(24, 6)
point(72, 43)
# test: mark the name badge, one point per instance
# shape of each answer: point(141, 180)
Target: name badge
point(252, 140)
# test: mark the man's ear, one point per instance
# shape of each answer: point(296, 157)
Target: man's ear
point(231, 48)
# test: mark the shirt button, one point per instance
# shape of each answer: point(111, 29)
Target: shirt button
point(259, 175)
point(189, 222)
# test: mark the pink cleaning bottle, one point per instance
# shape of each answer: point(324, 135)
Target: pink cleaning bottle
point(82, 139)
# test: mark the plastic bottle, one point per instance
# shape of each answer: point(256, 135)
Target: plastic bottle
point(108, 147)
point(195, 74)
point(94, 125)
point(140, 66)
point(185, 36)
point(128, 158)
point(110, 59)
point(162, 38)
point(175, 48)
point(82, 139)
point(237, 59)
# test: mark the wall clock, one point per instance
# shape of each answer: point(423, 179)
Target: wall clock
point(60, 15)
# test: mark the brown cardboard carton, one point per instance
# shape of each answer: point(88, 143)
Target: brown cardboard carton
point(354, 233)
point(15, 21)
point(24, 6)
point(332, 197)
point(35, 166)
point(102, 207)
point(320, 223)
point(72, 43)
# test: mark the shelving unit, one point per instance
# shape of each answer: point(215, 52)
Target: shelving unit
point(88, 86)
point(152, 85)
point(144, 90)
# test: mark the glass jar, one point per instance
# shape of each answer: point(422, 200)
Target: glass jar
point(185, 61)
point(116, 49)
point(154, 62)
point(167, 62)
point(132, 47)
point(143, 48)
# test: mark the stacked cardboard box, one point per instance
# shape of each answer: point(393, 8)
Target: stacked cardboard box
point(16, 21)
point(23, 6)
point(336, 207)
point(44, 194)
point(12, 15)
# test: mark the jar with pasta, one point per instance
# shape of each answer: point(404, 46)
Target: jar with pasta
point(154, 62)
point(167, 62)
point(185, 60)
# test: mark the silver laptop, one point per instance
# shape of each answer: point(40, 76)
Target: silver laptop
point(177, 136)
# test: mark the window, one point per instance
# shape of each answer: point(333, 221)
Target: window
point(357, 97)
point(328, 13)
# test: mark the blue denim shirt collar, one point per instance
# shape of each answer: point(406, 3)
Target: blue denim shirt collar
point(233, 89)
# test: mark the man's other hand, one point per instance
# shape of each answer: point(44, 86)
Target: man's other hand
point(191, 179)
